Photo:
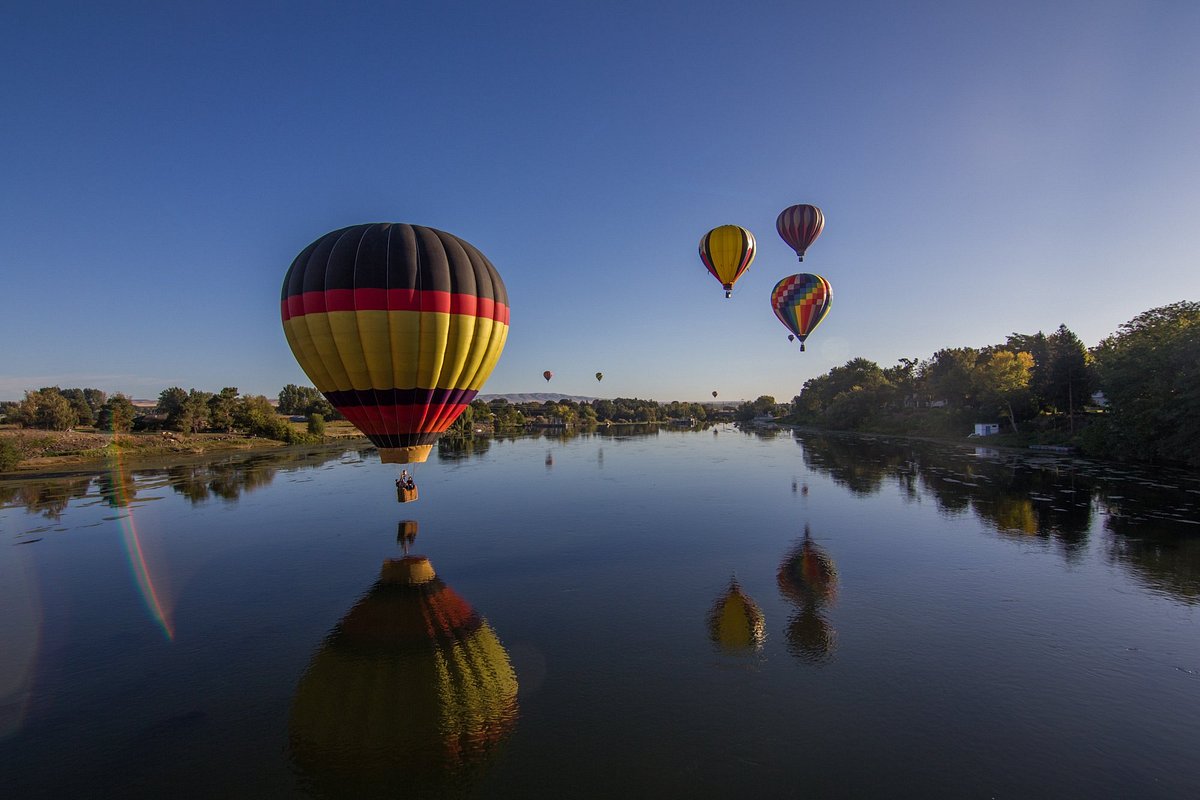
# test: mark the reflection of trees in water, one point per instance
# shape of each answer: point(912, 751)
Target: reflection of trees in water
point(459, 448)
point(1166, 559)
point(226, 480)
point(49, 498)
point(118, 487)
point(1153, 515)
point(1012, 496)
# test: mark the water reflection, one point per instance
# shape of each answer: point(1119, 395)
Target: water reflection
point(808, 578)
point(735, 623)
point(411, 694)
point(49, 497)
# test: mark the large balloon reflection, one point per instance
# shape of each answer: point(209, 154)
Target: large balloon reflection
point(411, 692)
point(808, 577)
point(735, 623)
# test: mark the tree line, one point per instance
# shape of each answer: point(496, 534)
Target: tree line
point(177, 409)
point(1148, 373)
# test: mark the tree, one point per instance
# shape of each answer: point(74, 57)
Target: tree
point(47, 409)
point(1150, 372)
point(949, 376)
point(316, 425)
point(1069, 377)
point(170, 404)
point(221, 407)
point(116, 414)
point(193, 416)
point(1003, 380)
point(79, 404)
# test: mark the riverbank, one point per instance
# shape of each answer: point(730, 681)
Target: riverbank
point(57, 452)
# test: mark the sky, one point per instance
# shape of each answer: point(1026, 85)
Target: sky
point(983, 168)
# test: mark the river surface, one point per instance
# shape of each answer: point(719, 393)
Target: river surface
point(643, 614)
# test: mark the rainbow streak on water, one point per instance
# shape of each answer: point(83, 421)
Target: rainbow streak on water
point(133, 544)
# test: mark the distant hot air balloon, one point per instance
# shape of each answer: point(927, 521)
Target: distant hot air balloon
point(801, 302)
point(800, 226)
point(547, 375)
point(599, 376)
point(727, 252)
point(791, 337)
point(398, 326)
point(714, 392)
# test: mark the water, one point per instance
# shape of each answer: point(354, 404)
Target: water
point(639, 614)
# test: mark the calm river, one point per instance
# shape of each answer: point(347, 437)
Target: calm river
point(648, 614)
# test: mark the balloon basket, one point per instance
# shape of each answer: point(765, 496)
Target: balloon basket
point(405, 495)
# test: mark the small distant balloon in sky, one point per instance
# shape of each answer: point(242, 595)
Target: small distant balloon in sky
point(599, 376)
point(547, 375)
point(801, 302)
point(727, 252)
point(800, 226)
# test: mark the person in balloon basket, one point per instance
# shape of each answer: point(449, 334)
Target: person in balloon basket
point(405, 481)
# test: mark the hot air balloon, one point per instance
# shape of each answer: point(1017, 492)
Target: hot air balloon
point(727, 252)
point(800, 226)
point(411, 693)
point(735, 623)
point(599, 376)
point(398, 326)
point(801, 302)
point(714, 393)
point(547, 375)
point(791, 337)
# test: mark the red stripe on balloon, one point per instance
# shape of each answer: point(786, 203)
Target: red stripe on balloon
point(393, 300)
point(390, 420)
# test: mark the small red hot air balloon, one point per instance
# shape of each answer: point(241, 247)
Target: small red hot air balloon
point(800, 226)
point(547, 375)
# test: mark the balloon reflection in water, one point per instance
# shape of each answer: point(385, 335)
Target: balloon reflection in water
point(807, 577)
point(411, 691)
point(735, 623)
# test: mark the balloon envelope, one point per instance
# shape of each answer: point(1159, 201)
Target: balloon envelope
point(398, 326)
point(547, 375)
point(727, 252)
point(800, 226)
point(801, 302)
point(599, 376)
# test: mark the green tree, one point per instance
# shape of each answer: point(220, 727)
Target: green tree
point(1150, 372)
point(116, 414)
point(47, 409)
point(950, 376)
point(316, 425)
point(221, 407)
point(1070, 377)
point(95, 399)
point(79, 404)
point(170, 404)
point(1003, 381)
point(193, 417)
point(10, 456)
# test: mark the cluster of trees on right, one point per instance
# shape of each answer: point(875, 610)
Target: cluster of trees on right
point(1149, 372)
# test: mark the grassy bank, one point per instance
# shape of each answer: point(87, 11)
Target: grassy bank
point(41, 451)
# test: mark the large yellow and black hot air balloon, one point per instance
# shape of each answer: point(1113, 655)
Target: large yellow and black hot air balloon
point(412, 693)
point(800, 226)
point(727, 252)
point(398, 326)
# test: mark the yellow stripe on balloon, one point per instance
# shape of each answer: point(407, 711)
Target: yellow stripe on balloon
point(400, 349)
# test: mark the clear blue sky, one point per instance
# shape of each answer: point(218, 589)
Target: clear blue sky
point(984, 168)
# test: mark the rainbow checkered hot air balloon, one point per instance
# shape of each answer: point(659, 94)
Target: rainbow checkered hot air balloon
point(727, 252)
point(398, 326)
point(801, 302)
